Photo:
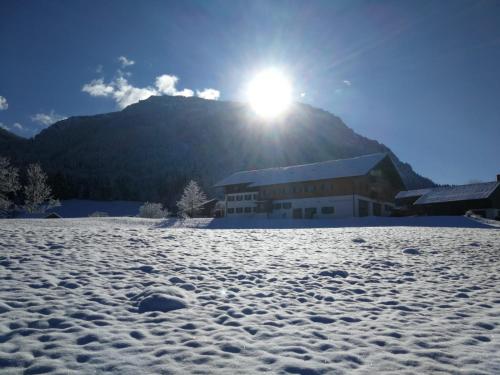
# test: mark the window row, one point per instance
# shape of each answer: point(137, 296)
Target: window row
point(266, 192)
point(284, 205)
point(240, 210)
point(328, 210)
point(241, 197)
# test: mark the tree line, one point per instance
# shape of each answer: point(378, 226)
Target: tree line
point(31, 192)
point(28, 192)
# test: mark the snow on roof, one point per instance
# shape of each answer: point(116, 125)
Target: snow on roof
point(412, 193)
point(459, 193)
point(357, 166)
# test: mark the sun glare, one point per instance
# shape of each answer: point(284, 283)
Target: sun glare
point(269, 93)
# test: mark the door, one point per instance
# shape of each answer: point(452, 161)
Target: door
point(297, 213)
point(310, 212)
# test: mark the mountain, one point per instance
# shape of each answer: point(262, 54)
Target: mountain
point(149, 150)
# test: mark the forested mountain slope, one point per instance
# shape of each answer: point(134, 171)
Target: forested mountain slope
point(150, 149)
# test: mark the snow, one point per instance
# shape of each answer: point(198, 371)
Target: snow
point(459, 193)
point(95, 295)
point(412, 193)
point(357, 166)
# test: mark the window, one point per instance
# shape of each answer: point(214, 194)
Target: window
point(239, 197)
point(313, 188)
point(331, 186)
point(286, 205)
point(387, 208)
point(248, 197)
point(294, 189)
point(322, 186)
point(277, 206)
point(248, 210)
point(377, 209)
point(255, 197)
point(255, 209)
point(230, 210)
point(328, 210)
point(239, 210)
point(306, 189)
point(230, 198)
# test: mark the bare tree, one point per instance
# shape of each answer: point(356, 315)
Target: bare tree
point(37, 193)
point(9, 184)
point(191, 199)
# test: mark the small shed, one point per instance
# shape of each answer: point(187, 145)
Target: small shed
point(207, 209)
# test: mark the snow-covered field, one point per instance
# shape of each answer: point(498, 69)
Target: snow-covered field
point(81, 296)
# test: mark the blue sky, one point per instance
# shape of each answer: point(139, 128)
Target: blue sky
point(422, 77)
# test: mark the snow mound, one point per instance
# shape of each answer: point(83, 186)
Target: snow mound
point(411, 251)
point(163, 300)
point(334, 273)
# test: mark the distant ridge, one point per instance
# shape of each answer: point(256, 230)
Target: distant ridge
point(150, 149)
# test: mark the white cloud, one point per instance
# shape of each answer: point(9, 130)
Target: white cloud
point(302, 94)
point(347, 82)
point(3, 103)
point(99, 68)
point(166, 84)
point(46, 119)
point(97, 87)
point(124, 94)
point(125, 62)
point(186, 92)
point(18, 126)
point(209, 94)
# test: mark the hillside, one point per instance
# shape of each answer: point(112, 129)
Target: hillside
point(150, 149)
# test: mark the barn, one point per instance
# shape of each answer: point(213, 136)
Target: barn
point(360, 186)
point(483, 198)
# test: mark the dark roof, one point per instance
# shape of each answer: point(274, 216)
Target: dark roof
point(357, 166)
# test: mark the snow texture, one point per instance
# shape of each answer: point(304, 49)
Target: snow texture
point(357, 166)
point(138, 296)
point(459, 193)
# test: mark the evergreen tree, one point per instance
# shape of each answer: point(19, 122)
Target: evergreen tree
point(191, 199)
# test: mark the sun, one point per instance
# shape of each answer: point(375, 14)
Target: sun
point(269, 93)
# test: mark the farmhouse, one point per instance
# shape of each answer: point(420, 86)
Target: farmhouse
point(360, 186)
point(483, 198)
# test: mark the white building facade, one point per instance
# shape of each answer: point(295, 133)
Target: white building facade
point(356, 187)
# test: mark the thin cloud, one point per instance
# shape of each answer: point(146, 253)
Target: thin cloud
point(209, 94)
point(347, 82)
point(46, 119)
point(125, 62)
point(3, 103)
